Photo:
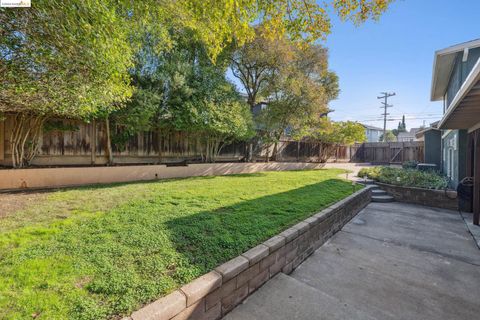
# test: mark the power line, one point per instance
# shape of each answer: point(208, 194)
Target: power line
point(385, 96)
point(397, 119)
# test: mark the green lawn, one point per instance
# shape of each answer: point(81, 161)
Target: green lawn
point(95, 252)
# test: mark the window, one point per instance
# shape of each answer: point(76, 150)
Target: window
point(450, 163)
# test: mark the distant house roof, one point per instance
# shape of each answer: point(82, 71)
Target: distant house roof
point(421, 133)
point(366, 126)
point(443, 65)
point(405, 136)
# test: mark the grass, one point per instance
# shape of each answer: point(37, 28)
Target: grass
point(100, 252)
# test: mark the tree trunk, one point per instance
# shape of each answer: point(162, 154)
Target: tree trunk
point(108, 147)
point(250, 151)
point(24, 138)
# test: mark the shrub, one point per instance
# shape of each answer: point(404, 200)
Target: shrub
point(405, 177)
point(371, 173)
point(411, 164)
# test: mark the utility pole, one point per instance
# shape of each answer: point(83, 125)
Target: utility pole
point(385, 96)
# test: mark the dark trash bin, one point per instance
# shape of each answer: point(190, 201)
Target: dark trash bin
point(465, 194)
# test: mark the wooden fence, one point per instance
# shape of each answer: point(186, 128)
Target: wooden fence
point(85, 144)
point(388, 152)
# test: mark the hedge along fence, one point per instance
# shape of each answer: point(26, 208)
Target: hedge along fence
point(216, 293)
point(70, 142)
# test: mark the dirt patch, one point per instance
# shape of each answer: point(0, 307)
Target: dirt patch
point(13, 202)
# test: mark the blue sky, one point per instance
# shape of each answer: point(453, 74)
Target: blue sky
point(396, 54)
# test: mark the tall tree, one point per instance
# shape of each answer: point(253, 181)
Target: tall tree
point(71, 58)
point(180, 89)
point(389, 137)
point(331, 134)
point(298, 95)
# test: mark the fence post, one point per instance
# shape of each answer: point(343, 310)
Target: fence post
point(298, 151)
point(2, 139)
point(93, 142)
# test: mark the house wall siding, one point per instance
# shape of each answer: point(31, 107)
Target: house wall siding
point(433, 147)
point(454, 148)
point(373, 135)
point(460, 72)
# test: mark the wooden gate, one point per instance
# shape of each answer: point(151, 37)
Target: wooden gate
point(388, 152)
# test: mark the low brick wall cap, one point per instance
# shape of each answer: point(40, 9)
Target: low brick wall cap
point(256, 254)
point(231, 268)
point(275, 243)
point(201, 286)
point(162, 309)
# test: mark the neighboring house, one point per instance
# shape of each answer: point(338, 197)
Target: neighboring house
point(432, 138)
point(373, 133)
point(408, 136)
point(456, 82)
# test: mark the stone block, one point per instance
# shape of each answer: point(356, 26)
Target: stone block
point(214, 297)
point(163, 309)
point(258, 280)
point(288, 268)
point(291, 254)
point(268, 261)
point(248, 274)
point(302, 227)
point(290, 234)
point(232, 300)
point(312, 221)
point(256, 254)
point(201, 286)
point(275, 243)
point(277, 266)
point(231, 268)
point(195, 312)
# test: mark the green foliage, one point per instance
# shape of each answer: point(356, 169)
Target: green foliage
point(180, 89)
point(339, 132)
point(405, 177)
point(349, 132)
point(411, 164)
point(72, 57)
point(98, 252)
point(389, 137)
point(75, 58)
point(298, 89)
point(64, 58)
point(59, 125)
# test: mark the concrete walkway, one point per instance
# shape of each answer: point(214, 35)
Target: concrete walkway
point(392, 261)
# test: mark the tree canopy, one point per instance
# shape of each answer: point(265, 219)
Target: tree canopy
point(82, 59)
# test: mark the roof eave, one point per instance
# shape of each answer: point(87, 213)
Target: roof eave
point(437, 94)
point(469, 83)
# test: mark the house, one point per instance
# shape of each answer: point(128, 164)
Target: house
point(408, 136)
point(432, 138)
point(456, 82)
point(373, 133)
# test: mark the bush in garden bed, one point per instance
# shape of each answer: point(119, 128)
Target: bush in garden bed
point(405, 177)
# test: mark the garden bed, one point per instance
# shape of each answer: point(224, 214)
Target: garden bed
point(409, 185)
point(406, 177)
point(104, 251)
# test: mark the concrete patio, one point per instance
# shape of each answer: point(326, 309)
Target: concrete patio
point(392, 261)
